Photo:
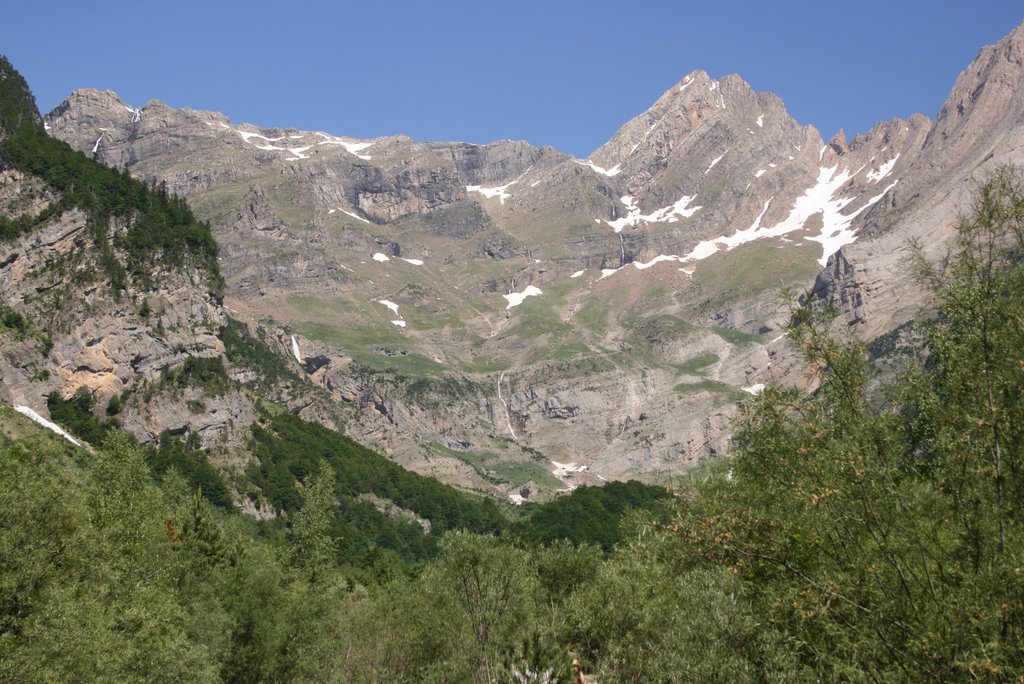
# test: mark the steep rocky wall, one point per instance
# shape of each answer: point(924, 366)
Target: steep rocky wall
point(82, 334)
point(980, 126)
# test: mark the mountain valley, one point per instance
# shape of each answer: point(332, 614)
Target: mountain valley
point(491, 304)
point(723, 401)
point(504, 316)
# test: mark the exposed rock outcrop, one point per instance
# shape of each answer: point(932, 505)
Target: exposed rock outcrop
point(80, 333)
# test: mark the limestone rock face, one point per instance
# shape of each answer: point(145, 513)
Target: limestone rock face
point(980, 127)
point(257, 214)
point(85, 336)
point(608, 312)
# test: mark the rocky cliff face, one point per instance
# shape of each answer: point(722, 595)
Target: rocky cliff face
point(86, 335)
point(980, 127)
point(513, 302)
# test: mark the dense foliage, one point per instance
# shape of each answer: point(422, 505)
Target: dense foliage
point(888, 544)
point(77, 416)
point(203, 372)
point(191, 463)
point(108, 578)
point(17, 105)
point(247, 349)
point(591, 515)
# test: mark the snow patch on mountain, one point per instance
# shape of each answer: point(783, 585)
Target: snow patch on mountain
point(836, 235)
point(394, 309)
point(516, 298)
point(350, 146)
point(345, 211)
point(53, 427)
point(658, 259)
point(883, 170)
point(712, 88)
point(681, 207)
point(669, 214)
point(614, 171)
point(262, 142)
point(298, 152)
point(713, 162)
point(631, 217)
point(381, 257)
point(818, 199)
point(499, 192)
point(247, 137)
point(295, 349)
point(565, 472)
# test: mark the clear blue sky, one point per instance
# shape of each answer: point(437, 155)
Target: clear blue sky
point(559, 73)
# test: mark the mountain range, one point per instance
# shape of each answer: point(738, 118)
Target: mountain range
point(505, 317)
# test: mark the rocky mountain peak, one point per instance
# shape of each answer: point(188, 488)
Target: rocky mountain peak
point(987, 99)
point(980, 126)
point(698, 130)
point(1012, 46)
point(674, 115)
point(838, 142)
point(89, 103)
